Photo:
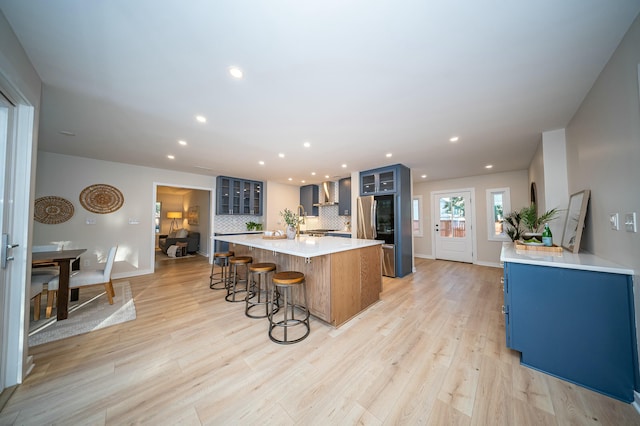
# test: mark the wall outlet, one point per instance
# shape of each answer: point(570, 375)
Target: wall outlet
point(630, 222)
point(86, 262)
point(613, 220)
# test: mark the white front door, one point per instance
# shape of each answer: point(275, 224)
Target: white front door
point(453, 238)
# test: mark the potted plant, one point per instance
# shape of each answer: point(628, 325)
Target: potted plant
point(292, 220)
point(526, 223)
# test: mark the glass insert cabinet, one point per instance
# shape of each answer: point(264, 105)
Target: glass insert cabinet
point(238, 196)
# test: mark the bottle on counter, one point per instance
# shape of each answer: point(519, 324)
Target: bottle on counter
point(547, 238)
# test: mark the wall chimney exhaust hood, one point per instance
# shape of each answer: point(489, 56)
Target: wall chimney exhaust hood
point(327, 195)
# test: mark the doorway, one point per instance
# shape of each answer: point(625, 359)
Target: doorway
point(452, 225)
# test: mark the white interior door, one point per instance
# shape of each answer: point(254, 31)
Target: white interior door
point(453, 238)
point(6, 110)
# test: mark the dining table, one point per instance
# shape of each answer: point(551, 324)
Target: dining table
point(64, 259)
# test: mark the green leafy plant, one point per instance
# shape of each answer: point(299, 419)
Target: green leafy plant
point(290, 218)
point(254, 226)
point(526, 220)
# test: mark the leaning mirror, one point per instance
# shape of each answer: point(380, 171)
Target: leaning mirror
point(574, 222)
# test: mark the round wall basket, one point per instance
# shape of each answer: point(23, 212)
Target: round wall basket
point(52, 210)
point(101, 198)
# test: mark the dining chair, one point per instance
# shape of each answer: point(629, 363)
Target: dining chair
point(37, 287)
point(86, 279)
point(44, 268)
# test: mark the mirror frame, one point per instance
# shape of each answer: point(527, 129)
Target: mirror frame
point(574, 221)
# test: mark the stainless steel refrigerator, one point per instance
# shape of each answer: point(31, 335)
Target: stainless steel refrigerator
point(376, 222)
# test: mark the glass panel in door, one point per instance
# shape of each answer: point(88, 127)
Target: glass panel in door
point(387, 181)
point(452, 217)
point(236, 192)
point(246, 197)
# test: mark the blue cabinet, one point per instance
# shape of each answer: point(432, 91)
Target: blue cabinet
point(574, 324)
point(238, 196)
point(394, 181)
point(309, 195)
point(378, 181)
point(344, 197)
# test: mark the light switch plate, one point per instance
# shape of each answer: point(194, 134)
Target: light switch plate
point(630, 222)
point(90, 221)
point(613, 220)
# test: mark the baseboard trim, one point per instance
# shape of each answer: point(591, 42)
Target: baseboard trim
point(423, 256)
point(490, 264)
point(5, 395)
point(636, 401)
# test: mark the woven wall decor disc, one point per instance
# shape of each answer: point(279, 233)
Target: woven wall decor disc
point(52, 210)
point(101, 198)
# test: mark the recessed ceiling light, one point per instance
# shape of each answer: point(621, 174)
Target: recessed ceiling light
point(183, 143)
point(326, 176)
point(281, 155)
point(290, 178)
point(171, 157)
point(389, 155)
point(454, 139)
point(423, 176)
point(313, 173)
point(261, 162)
point(66, 133)
point(307, 144)
point(344, 166)
point(201, 118)
point(303, 181)
point(488, 166)
point(236, 72)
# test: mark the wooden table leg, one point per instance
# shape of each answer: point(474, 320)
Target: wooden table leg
point(63, 289)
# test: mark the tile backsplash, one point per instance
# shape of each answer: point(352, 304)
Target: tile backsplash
point(328, 219)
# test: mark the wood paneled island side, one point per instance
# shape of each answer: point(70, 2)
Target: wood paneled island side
point(343, 275)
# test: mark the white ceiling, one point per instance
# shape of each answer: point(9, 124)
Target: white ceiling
point(357, 79)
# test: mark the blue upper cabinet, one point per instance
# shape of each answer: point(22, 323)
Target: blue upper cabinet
point(378, 181)
point(344, 197)
point(238, 196)
point(309, 195)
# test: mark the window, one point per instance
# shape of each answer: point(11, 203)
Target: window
point(498, 204)
point(157, 216)
point(416, 216)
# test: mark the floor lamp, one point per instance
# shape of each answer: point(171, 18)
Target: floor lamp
point(174, 216)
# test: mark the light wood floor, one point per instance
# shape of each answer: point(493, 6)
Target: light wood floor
point(430, 352)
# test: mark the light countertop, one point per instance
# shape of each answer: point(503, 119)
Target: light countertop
point(584, 261)
point(303, 246)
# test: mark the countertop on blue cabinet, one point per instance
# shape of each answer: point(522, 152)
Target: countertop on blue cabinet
point(583, 261)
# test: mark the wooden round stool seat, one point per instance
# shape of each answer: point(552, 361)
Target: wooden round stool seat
point(262, 267)
point(259, 290)
point(233, 289)
point(288, 278)
point(283, 321)
point(220, 280)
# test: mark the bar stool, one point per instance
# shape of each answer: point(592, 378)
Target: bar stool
point(258, 294)
point(232, 290)
point(283, 282)
point(221, 277)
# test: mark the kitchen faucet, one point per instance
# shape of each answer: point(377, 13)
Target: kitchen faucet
point(300, 213)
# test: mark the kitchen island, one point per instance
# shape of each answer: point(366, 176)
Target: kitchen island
point(343, 275)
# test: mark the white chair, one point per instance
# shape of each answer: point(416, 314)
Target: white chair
point(44, 269)
point(86, 279)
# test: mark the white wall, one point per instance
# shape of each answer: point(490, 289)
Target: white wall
point(279, 197)
point(66, 176)
point(603, 155)
point(556, 193)
point(488, 251)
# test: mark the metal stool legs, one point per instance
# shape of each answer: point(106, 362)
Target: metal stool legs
point(285, 319)
point(259, 293)
point(234, 290)
point(220, 280)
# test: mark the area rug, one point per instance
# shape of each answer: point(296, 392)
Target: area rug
point(88, 314)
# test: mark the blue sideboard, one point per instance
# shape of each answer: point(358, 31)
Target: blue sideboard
point(572, 316)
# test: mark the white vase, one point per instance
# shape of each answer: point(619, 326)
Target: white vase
point(291, 232)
